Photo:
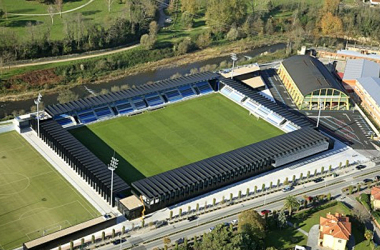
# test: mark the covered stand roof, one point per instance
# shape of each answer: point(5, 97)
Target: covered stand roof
point(310, 74)
point(175, 179)
point(95, 166)
point(90, 102)
point(298, 119)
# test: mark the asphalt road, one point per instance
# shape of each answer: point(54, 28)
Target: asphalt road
point(274, 201)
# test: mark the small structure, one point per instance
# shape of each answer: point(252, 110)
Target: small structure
point(334, 231)
point(367, 92)
point(311, 85)
point(131, 207)
point(375, 198)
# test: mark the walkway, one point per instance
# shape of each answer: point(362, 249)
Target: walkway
point(68, 173)
point(48, 14)
point(298, 229)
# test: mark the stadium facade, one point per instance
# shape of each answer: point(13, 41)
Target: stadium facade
point(180, 184)
point(311, 85)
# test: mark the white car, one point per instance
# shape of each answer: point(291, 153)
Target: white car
point(234, 222)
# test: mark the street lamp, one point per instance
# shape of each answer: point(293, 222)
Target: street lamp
point(112, 166)
point(37, 102)
point(234, 59)
point(319, 112)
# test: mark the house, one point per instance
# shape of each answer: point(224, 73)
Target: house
point(334, 231)
point(375, 197)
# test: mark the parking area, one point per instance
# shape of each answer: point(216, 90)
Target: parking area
point(348, 126)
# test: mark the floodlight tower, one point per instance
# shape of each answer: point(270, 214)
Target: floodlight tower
point(112, 166)
point(37, 102)
point(319, 112)
point(234, 59)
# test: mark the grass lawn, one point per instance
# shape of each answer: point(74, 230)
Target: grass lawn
point(96, 12)
point(306, 220)
point(285, 238)
point(33, 196)
point(179, 134)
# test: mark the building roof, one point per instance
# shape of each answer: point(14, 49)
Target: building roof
point(232, 161)
point(357, 68)
point(375, 193)
point(131, 202)
point(372, 86)
point(254, 82)
point(337, 225)
point(242, 70)
point(90, 102)
point(309, 74)
point(358, 54)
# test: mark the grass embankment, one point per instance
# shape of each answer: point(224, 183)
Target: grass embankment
point(179, 134)
point(96, 11)
point(34, 197)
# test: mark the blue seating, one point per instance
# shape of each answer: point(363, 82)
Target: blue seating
point(226, 90)
point(88, 120)
point(64, 121)
point(203, 87)
point(88, 116)
point(139, 102)
point(125, 108)
point(153, 99)
point(186, 91)
point(235, 96)
point(250, 105)
point(173, 95)
point(104, 111)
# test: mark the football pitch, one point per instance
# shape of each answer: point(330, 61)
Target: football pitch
point(34, 198)
point(179, 134)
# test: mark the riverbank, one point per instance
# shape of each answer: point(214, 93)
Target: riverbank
point(241, 46)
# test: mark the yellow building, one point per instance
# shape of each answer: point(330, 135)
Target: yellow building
point(334, 231)
point(375, 198)
point(311, 85)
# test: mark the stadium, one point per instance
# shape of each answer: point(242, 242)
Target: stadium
point(178, 138)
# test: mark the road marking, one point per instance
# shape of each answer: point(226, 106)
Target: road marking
point(347, 116)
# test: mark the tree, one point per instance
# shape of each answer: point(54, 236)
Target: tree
point(368, 234)
point(291, 203)
point(204, 40)
point(146, 41)
point(103, 236)
point(59, 6)
point(281, 219)
point(328, 196)
point(361, 214)
point(153, 29)
point(189, 6)
point(322, 170)
point(180, 212)
point(123, 229)
point(187, 20)
point(255, 190)
point(171, 215)
point(233, 34)
point(167, 240)
point(247, 192)
point(331, 6)
point(252, 223)
point(213, 202)
point(93, 239)
point(308, 175)
point(269, 27)
point(263, 187)
point(51, 13)
point(109, 3)
point(197, 207)
point(286, 182)
point(67, 96)
point(71, 245)
point(183, 47)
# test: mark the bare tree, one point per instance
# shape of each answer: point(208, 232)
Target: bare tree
point(50, 10)
point(361, 214)
point(109, 3)
point(59, 6)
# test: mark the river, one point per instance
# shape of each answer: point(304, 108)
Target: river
point(139, 79)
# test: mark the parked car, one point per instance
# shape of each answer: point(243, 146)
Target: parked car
point(161, 223)
point(234, 222)
point(318, 180)
point(211, 229)
point(359, 167)
point(191, 218)
point(180, 240)
point(377, 178)
point(265, 211)
point(287, 188)
point(226, 224)
point(365, 181)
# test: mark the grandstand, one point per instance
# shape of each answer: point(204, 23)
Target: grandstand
point(185, 182)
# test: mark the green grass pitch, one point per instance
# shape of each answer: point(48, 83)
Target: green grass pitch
point(179, 134)
point(34, 197)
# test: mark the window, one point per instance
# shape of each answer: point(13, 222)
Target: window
point(339, 241)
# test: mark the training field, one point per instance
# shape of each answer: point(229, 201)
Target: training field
point(34, 197)
point(179, 134)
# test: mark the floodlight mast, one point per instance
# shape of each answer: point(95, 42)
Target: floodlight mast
point(319, 112)
point(37, 102)
point(234, 59)
point(112, 166)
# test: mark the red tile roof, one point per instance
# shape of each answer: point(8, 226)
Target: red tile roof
point(375, 191)
point(336, 225)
